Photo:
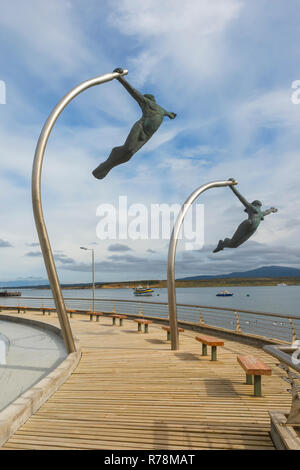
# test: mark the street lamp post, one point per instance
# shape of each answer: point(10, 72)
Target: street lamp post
point(93, 272)
point(37, 202)
point(172, 253)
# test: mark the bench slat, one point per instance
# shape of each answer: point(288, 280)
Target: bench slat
point(167, 328)
point(254, 366)
point(209, 340)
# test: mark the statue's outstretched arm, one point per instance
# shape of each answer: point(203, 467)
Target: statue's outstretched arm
point(240, 197)
point(269, 211)
point(132, 91)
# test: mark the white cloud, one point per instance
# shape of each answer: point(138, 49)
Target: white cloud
point(47, 35)
point(193, 56)
point(181, 39)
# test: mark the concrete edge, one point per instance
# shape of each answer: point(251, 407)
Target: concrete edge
point(27, 321)
point(18, 412)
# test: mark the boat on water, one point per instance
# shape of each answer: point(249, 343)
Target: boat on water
point(224, 293)
point(282, 284)
point(145, 291)
point(6, 293)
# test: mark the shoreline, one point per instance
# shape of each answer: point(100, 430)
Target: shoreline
point(219, 282)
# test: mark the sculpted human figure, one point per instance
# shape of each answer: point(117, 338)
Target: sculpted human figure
point(247, 228)
point(141, 131)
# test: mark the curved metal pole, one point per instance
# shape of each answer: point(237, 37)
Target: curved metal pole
point(37, 203)
point(172, 253)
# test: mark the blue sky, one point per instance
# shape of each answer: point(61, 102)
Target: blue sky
point(225, 67)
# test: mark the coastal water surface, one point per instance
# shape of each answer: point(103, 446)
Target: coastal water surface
point(271, 299)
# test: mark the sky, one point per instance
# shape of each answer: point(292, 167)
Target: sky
point(227, 68)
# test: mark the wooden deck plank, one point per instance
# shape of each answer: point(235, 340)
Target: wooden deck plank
point(132, 392)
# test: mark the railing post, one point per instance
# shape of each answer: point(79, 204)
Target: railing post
point(294, 335)
point(140, 310)
point(201, 322)
point(238, 326)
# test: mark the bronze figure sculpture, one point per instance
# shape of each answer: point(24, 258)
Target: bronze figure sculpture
point(141, 131)
point(247, 228)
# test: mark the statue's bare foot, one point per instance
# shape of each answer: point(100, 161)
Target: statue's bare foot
point(101, 171)
point(219, 247)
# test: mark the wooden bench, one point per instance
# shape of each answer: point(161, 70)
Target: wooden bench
point(19, 308)
point(95, 314)
point(7, 307)
point(70, 312)
point(115, 316)
point(47, 309)
point(141, 322)
point(256, 367)
point(168, 330)
point(209, 341)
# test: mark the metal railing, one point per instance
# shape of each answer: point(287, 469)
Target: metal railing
point(267, 325)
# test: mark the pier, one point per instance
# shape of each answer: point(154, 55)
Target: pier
point(7, 293)
point(130, 391)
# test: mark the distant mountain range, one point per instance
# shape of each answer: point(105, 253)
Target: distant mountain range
point(24, 283)
point(263, 272)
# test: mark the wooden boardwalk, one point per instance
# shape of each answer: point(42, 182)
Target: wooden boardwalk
point(130, 391)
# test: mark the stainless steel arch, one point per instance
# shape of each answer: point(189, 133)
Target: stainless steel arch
point(172, 253)
point(37, 203)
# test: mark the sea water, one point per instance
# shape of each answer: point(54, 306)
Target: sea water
point(270, 299)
